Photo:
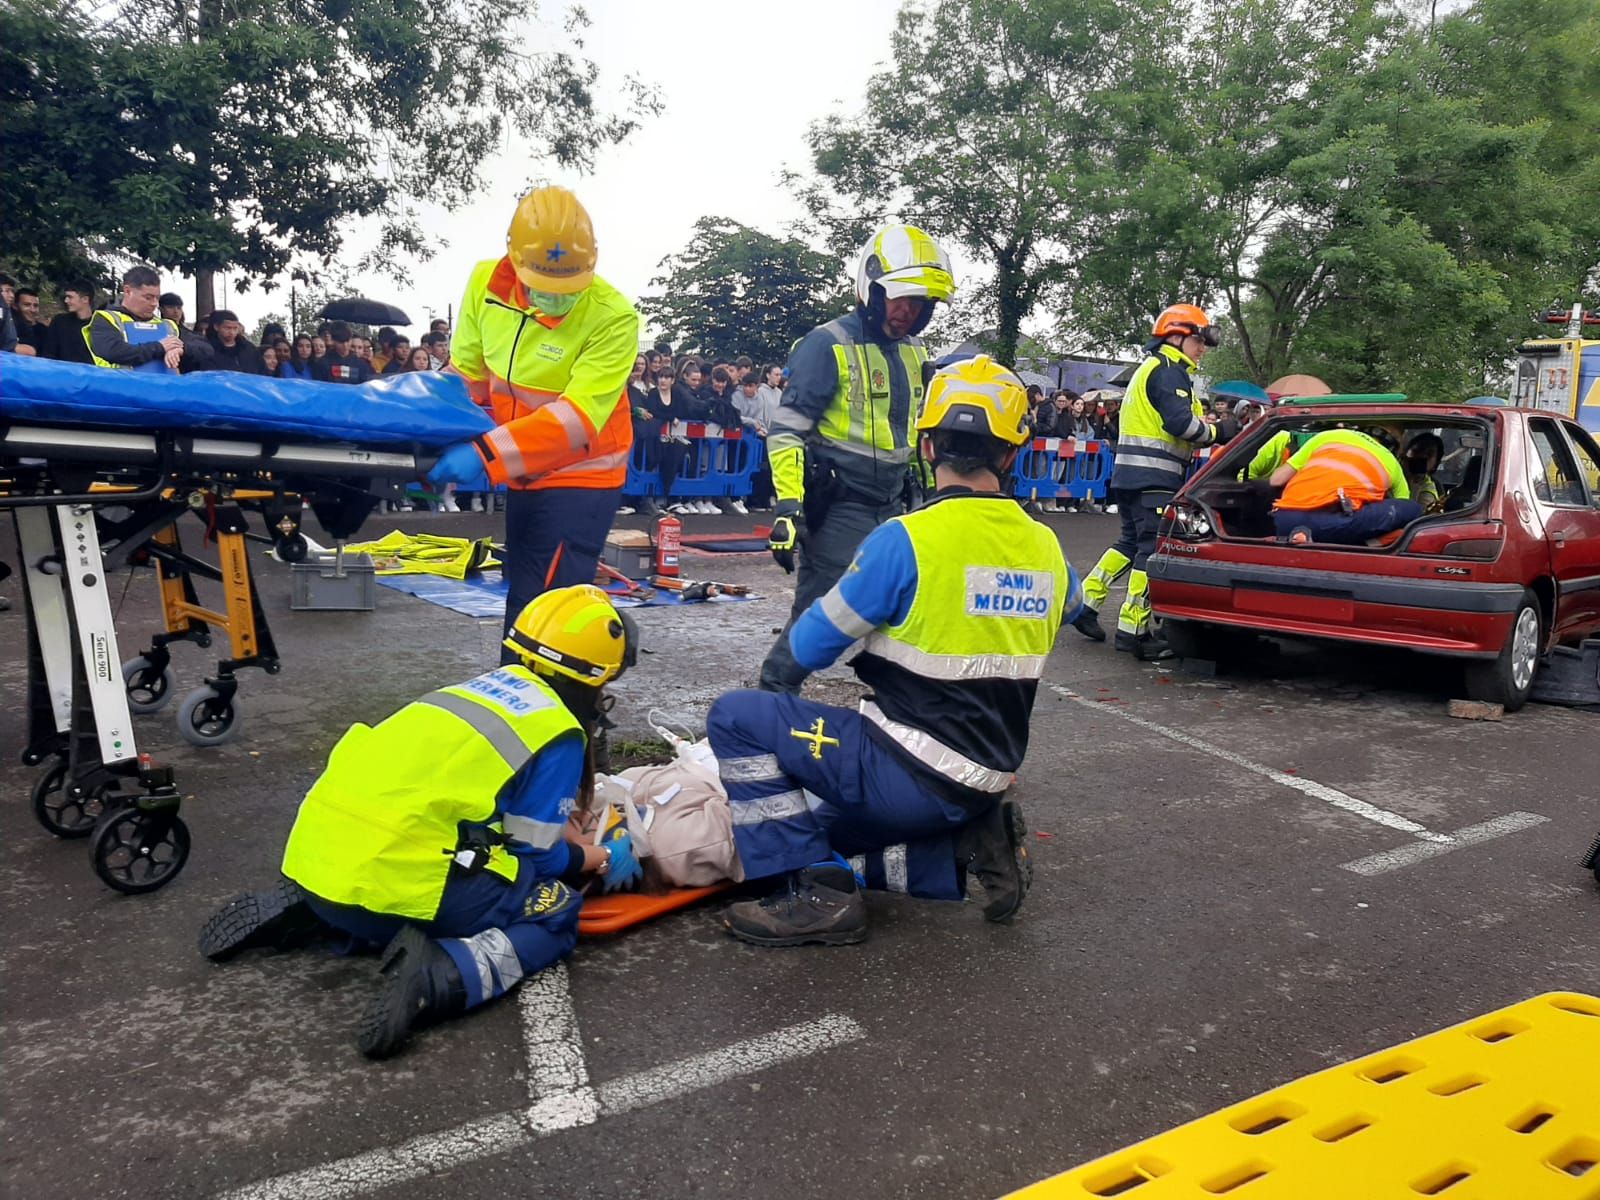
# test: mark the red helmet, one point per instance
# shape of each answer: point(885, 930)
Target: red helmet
point(1186, 319)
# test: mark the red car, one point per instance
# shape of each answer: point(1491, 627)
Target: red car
point(1503, 566)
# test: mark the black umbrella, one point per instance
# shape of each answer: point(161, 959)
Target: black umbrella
point(363, 312)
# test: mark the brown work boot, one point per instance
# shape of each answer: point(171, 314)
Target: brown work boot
point(817, 905)
point(995, 849)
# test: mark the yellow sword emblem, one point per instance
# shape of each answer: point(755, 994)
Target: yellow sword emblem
point(816, 737)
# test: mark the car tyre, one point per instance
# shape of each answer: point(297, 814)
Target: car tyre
point(1507, 679)
point(1196, 639)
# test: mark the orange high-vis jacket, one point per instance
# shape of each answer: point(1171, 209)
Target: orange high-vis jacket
point(1342, 459)
point(556, 388)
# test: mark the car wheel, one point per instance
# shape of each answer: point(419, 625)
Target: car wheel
point(1508, 679)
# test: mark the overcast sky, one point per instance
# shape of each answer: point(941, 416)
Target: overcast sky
point(739, 80)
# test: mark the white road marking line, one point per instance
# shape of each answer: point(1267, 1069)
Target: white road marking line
point(430, 1154)
point(719, 1066)
point(1404, 856)
point(435, 1153)
point(559, 1094)
point(1308, 787)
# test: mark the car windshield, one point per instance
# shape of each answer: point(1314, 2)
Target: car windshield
point(1446, 463)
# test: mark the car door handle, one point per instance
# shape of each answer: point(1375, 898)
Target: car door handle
point(1559, 537)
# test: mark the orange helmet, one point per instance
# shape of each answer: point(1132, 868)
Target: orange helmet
point(1187, 319)
point(551, 242)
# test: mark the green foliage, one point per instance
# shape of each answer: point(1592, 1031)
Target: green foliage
point(735, 290)
point(209, 136)
point(975, 134)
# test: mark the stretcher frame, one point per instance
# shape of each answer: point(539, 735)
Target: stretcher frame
point(62, 484)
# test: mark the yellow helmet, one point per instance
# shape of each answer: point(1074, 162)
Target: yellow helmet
point(976, 395)
point(551, 242)
point(574, 631)
point(904, 261)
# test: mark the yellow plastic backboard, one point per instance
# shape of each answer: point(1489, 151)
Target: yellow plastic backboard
point(1502, 1107)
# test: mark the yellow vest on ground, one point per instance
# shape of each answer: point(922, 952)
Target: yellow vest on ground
point(380, 825)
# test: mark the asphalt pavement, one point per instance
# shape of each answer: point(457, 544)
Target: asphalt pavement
point(1241, 878)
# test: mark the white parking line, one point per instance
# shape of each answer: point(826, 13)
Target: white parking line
point(435, 1153)
point(559, 1095)
point(1307, 787)
point(1404, 856)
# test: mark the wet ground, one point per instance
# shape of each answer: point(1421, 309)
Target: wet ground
point(1240, 880)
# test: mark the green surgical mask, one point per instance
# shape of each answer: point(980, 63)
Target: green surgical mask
point(552, 304)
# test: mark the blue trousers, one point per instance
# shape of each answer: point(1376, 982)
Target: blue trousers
point(494, 929)
point(553, 539)
point(1348, 529)
point(805, 782)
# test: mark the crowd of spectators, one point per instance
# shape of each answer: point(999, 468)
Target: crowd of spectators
point(1085, 418)
point(668, 394)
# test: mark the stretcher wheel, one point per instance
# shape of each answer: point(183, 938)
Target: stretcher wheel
point(148, 690)
point(292, 549)
point(136, 851)
point(206, 719)
point(63, 815)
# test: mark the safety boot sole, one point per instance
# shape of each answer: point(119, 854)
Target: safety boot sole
point(392, 1013)
point(1016, 828)
point(843, 937)
point(276, 919)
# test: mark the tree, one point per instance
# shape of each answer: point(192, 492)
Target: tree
point(1378, 203)
point(736, 290)
point(976, 132)
point(204, 136)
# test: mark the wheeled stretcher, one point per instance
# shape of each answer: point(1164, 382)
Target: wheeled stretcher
point(98, 467)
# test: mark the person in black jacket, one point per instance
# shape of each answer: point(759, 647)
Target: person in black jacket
point(231, 349)
point(63, 337)
point(341, 364)
point(109, 328)
point(646, 435)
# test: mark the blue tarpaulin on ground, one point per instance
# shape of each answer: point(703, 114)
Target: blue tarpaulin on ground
point(423, 408)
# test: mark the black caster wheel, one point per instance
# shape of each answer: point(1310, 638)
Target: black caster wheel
point(149, 690)
point(206, 719)
point(292, 549)
point(63, 815)
point(136, 851)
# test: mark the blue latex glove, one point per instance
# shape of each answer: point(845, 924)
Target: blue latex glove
point(460, 463)
point(625, 869)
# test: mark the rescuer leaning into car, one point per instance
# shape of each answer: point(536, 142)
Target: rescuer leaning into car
point(1343, 487)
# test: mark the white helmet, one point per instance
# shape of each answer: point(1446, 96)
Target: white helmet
point(902, 260)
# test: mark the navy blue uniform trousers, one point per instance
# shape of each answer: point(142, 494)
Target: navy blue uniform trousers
point(806, 781)
point(496, 930)
point(553, 539)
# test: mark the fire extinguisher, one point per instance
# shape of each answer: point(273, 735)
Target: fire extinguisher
point(669, 540)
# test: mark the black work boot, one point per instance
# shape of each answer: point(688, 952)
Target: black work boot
point(1088, 624)
point(1149, 648)
point(277, 919)
point(995, 849)
point(420, 986)
point(820, 904)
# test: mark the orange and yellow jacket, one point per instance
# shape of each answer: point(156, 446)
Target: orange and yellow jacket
point(555, 386)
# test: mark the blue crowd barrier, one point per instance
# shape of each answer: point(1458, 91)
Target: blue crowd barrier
point(720, 462)
point(1063, 468)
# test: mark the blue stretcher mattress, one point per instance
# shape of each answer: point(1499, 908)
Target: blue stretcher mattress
point(424, 408)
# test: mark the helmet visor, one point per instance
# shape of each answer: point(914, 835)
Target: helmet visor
point(932, 283)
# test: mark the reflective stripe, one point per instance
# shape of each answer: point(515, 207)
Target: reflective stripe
point(858, 866)
point(1159, 444)
point(1193, 430)
point(541, 835)
point(768, 808)
point(499, 968)
point(532, 399)
point(845, 619)
point(603, 462)
point(894, 868)
point(504, 444)
point(757, 768)
point(1167, 466)
point(936, 756)
point(954, 666)
point(487, 723)
point(572, 421)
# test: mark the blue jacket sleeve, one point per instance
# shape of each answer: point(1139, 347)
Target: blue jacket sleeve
point(1170, 391)
point(813, 376)
point(544, 792)
point(876, 590)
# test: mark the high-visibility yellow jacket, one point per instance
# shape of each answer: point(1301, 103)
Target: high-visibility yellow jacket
point(380, 825)
point(556, 387)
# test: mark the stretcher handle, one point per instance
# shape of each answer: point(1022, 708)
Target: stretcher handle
point(162, 483)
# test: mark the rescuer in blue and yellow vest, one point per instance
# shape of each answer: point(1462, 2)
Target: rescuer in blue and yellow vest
point(546, 346)
point(441, 834)
point(841, 442)
point(131, 336)
point(959, 604)
point(1163, 424)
